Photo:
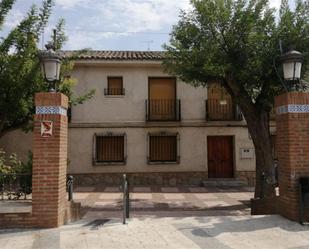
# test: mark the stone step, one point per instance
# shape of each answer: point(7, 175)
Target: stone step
point(224, 182)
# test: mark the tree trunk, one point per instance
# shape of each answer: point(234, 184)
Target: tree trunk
point(258, 125)
point(2, 123)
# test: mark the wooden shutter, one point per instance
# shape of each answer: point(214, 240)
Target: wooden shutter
point(110, 148)
point(162, 98)
point(115, 85)
point(163, 148)
point(162, 88)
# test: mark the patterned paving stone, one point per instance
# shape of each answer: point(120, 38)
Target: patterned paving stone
point(197, 190)
point(81, 196)
point(110, 196)
point(142, 189)
point(107, 204)
point(112, 189)
point(206, 196)
point(169, 189)
point(143, 196)
point(179, 204)
point(192, 232)
point(241, 196)
point(142, 204)
point(167, 198)
point(174, 196)
point(84, 189)
point(211, 203)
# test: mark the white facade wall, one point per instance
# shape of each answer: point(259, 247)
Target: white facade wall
point(126, 114)
point(193, 149)
point(131, 106)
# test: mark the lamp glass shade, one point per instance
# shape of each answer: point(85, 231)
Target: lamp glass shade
point(292, 70)
point(51, 69)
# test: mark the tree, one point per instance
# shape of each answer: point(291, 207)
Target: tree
point(235, 43)
point(20, 74)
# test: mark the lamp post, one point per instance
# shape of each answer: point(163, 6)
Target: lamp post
point(292, 63)
point(50, 64)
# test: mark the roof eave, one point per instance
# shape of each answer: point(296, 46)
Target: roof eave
point(117, 62)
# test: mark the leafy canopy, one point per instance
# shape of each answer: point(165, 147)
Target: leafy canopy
point(20, 74)
point(237, 43)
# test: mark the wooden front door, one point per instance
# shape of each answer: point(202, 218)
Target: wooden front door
point(220, 156)
point(162, 98)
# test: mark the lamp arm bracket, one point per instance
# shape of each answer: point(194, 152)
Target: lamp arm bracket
point(281, 81)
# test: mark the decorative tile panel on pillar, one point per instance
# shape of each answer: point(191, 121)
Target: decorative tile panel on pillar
point(50, 137)
point(292, 120)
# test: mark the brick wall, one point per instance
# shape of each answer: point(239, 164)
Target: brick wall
point(50, 163)
point(50, 207)
point(28, 220)
point(293, 151)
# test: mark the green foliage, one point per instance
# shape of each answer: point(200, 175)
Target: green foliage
point(26, 167)
point(19, 68)
point(15, 176)
point(235, 43)
point(20, 74)
point(5, 6)
point(11, 165)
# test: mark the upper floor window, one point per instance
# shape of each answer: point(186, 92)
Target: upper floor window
point(109, 148)
point(163, 147)
point(162, 104)
point(114, 86)
point(220, 106)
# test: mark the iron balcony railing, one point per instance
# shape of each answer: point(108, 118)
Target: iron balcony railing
point(222, 110)
point(15, 186)
point(163, 110)
point(114, 91)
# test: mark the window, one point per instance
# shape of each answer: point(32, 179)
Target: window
point(114, 86)
point(109, 148)
point(163, 148)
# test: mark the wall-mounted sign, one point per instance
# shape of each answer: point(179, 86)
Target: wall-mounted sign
point(247, 153)
point(46, 128)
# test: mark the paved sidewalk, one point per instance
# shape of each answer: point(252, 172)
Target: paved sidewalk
point(159, 233)
point(154, 199)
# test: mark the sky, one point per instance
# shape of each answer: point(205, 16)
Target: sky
point(110, 24)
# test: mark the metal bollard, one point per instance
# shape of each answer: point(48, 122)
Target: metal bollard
point(70, 187)
point(263, 185)
point(126, 199)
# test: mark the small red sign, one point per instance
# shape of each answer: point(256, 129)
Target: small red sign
point(46, 128)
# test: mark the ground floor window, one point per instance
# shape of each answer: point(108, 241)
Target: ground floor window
point(163, 147)
point(109, 148)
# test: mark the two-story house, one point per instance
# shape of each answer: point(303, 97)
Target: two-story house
point(150, 125)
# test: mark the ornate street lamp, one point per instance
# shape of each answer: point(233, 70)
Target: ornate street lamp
point(50, 64)
point(292, 62)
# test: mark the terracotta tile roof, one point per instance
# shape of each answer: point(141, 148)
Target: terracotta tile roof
point(116, 55)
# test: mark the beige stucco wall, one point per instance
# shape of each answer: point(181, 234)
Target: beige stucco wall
point(131, 106)
point(193, 149)
point(18, 142)
point(128, 112)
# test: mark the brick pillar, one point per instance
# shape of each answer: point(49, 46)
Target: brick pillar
point(49, 198)
point(292, 120)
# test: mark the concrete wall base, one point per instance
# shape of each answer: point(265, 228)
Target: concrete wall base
point(136, 179)
point(28, 220)
point(154, 178)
